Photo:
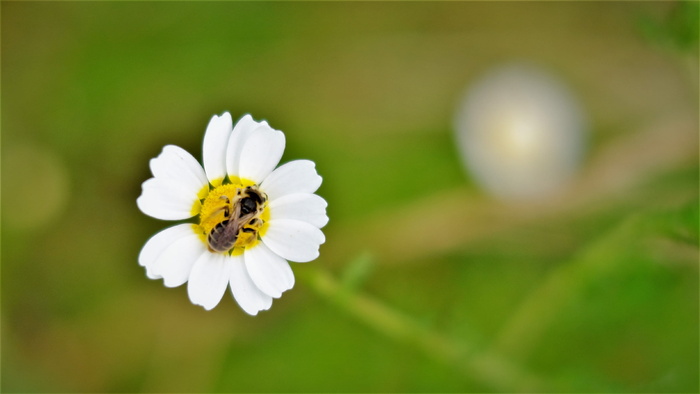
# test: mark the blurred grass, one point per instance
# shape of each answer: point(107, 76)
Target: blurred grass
point(593, 290)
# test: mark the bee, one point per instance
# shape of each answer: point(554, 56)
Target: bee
point(238, 213)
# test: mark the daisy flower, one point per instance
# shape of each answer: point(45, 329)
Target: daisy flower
point(251, 217)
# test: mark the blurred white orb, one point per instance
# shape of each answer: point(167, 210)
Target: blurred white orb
point(520, 132)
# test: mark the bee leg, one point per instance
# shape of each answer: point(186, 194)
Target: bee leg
point(228, 201)
point(227, 207)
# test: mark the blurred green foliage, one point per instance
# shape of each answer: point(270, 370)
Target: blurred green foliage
point(425, 283)
point(679, 29)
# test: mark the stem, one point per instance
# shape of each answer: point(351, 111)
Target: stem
point(487, 368)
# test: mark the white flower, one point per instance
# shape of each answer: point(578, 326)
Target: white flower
point(252, 217)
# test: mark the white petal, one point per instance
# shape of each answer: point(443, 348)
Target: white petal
point(172, 193)
point(294, 240)
point(241, 132)
point(208, 279)
point(261, 153)
point(158, 243)
point(298, 176)
point(164, 200)
point(249, 297)
point(270, 272)
point(306, 207)
point(177, 167)
point(214, 146)
point(175, 263)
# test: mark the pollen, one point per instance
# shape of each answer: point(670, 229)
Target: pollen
point(218, 209)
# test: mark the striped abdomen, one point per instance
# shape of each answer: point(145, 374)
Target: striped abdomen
point(223, 236)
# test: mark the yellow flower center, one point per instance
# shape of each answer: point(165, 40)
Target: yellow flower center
point(233, 216)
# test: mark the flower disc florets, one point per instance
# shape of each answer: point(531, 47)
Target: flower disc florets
point(217, 215)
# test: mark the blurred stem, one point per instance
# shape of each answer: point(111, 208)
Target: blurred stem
point(484, 367)
point(527, 327)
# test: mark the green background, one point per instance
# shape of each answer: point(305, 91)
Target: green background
point(425, 282)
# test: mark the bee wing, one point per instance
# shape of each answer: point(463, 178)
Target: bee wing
point(235, 221)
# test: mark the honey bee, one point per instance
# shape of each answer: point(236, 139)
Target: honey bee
point(238, 213)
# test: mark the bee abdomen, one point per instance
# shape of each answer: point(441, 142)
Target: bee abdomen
point(220, 238)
